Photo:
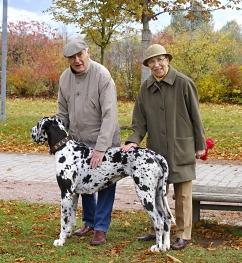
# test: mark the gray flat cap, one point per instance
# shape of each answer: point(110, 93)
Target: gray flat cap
point(74, 46)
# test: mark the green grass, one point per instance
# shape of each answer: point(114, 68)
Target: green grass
point(27, 232)
point(222, 122)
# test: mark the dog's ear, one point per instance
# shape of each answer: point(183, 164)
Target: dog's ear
point(46, 121)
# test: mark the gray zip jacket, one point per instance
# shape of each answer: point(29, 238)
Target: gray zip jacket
point(87, 104)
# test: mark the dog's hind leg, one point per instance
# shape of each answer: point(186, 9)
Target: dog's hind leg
point(158, 222)
point(166, 233)
point(148, 201)
point(66, 219)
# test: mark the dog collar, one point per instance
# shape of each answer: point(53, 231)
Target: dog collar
point(59, 145)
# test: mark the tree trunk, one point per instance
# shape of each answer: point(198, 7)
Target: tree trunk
point(102, 55)
point(145, 41)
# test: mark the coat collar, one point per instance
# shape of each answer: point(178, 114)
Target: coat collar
point(169, 79)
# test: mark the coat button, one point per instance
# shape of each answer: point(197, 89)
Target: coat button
point(78, 93)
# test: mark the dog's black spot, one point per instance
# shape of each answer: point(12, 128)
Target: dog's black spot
point(65, 185)
point(136, 179)
point(86, 179)
point(117, 157)
point(62, 159)
point(96, 184)
point(76, 148)
point(134, 168)
point(124, 159)
point(74, 175)
point(144, 188)
point(137, 152)
point(166, 227)
point(120, 170)
point(85, 152)
point(104, 158)
point(67, 167)
point(148, 205)
point(149, 160)
point(66, 219)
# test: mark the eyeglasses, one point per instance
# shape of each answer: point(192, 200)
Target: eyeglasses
point(157, 59)
point(78, 55)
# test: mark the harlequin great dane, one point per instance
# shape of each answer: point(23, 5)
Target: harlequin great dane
point(74, 176)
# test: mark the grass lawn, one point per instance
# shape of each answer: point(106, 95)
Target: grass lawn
point(27, 232)
point(222, 122)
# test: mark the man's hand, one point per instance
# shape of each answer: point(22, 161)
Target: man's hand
point(125, 148)
point(97, 158)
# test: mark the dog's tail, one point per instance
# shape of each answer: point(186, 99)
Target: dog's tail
point(161, 191)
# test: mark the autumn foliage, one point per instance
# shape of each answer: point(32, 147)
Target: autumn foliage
point(210, 58)
point(34, 59)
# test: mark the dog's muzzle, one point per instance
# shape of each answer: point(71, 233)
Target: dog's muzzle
point(39, 137)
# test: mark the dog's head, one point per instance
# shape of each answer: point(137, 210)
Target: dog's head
point(38, 132)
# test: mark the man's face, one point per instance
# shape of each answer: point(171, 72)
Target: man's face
point(79, 61)
point(159, 66)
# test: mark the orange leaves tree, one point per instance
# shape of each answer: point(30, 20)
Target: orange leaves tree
point(34, 59)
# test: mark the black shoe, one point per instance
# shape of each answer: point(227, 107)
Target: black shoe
point(180, 244)
point(147, 237)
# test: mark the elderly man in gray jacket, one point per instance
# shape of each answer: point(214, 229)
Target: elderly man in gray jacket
point(87, 104)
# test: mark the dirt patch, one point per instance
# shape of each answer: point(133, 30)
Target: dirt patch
point(125, 199)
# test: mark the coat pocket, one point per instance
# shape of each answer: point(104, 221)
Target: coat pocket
point(184, 151)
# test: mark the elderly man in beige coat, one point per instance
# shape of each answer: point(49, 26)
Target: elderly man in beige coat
point(167, 110)
point(87, 105)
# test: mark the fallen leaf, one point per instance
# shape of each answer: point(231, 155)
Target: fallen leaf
point(172, 259)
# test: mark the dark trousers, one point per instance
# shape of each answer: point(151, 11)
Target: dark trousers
point(97, 208)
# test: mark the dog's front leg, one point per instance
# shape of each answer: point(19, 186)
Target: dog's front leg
point(75, 203)
point(66, 219)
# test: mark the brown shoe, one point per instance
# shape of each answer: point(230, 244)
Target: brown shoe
point(83, 231)
point(98, 238)
point(180, 244)
point(147, 237)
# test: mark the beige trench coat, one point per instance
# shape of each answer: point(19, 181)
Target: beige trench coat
point(87, 104)
point(168, 112)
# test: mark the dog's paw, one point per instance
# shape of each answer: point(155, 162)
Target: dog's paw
point(155, 248)
point(158, 248)
point(166, 246)
point(59, 242)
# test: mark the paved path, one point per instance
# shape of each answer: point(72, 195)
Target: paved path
point(31, 177)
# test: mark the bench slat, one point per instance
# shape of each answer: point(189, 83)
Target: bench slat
point(215, 198)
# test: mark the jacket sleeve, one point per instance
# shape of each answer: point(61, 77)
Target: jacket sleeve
point(62, 109)
point(109, 120)
point(193, 108)
point(139, 123)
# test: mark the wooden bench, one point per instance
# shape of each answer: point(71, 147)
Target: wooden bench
point(215, 198)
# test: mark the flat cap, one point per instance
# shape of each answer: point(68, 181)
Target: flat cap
point(74, 46)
